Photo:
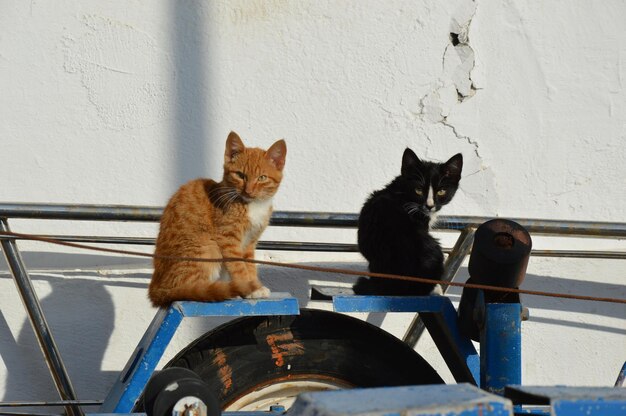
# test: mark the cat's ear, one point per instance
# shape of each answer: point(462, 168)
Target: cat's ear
point(234, 146)
point(454, 166)
point(277, 153)
point(409, 161)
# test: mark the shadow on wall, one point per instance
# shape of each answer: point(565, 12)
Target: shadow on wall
point(190, 131)
point(80, 314)
point(41, 260)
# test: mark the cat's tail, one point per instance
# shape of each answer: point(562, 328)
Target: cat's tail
point(198, 291)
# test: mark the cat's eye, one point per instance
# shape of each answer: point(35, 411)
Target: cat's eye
point(240, 175)
point(418, 192)
point(262, 178)
point(441, 192)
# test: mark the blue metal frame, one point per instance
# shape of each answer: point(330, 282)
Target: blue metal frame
point(440, 319)
point(143, 361)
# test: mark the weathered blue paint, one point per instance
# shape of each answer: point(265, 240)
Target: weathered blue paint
point(449, 400)
point(588, 407)
point(501, 347)
point(440, 318)
point(143, 361)
point(389, 303)
point(276, 304)
point(573, 401)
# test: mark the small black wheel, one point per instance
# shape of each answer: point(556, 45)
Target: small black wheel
point(254, 362)
point(159, 381)
point(186, 394)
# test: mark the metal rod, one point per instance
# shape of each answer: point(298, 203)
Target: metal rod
point(621, 376)
point(319, 246)
point(300, 218)
point(52, 403)
point(38, 322)
point(453, 263)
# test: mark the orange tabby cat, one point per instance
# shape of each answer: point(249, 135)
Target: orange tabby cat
point(223, 219)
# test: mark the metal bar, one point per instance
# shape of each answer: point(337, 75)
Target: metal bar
point(456, 349)
point(81, 212)
point(38, 321)
point(320, 246)
point(621, 376)
point(277, 304)
point(300, 218)
point(52, 403)
point(453, 263)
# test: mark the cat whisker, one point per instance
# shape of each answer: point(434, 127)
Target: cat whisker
point(225, 199)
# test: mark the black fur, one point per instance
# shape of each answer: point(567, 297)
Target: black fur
point(394, 222)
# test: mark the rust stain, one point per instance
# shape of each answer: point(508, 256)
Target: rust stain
point(283, 345)
point(224, 370)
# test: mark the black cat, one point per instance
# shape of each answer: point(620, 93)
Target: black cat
point(394, 222)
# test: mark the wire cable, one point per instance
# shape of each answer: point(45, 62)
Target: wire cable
point(319, 269)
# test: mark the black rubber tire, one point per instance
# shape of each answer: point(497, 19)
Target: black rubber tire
point(256, 351)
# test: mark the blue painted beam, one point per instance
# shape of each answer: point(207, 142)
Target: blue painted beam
point(433, 400)
point(276, 304)
point(573, 401)
point(389, 303)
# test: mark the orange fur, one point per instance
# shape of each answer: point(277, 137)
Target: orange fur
point(216, 220)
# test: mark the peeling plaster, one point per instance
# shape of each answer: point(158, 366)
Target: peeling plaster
point(458, 61)
point(121, 69)
point(455, 84)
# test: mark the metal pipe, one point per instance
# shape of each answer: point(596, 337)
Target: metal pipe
point(81, 212)
point(52, 403)
point(451, 267)
point(621, 376)
point(319, 246)
point(300, 219)
point(38, 322)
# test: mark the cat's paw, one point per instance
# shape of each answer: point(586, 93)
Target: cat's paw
point(437, 291)
point(260, 293)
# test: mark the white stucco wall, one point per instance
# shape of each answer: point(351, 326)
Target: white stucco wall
point(121, 102)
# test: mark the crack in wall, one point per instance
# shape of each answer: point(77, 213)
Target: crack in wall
point(459, 136)
point(455, 84)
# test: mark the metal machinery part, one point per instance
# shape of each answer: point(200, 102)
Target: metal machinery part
point(467, 226)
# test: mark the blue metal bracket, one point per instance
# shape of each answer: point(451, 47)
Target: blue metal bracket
point(439, 317)
point(143, 361)
point(501, 346)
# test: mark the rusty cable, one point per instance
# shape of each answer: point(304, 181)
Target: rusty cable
point(320, 269)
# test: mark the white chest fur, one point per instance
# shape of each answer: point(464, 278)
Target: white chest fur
point(258, 215)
